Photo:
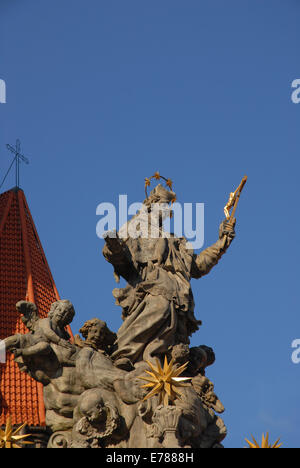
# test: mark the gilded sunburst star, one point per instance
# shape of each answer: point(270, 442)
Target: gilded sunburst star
point(165, 381)
point(9, 437)
point(265, 444)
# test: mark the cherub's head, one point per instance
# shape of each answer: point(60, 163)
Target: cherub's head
point(92, 406)
point(200, 358)
point(209, 397)
point(61, 313)
point(97, 333)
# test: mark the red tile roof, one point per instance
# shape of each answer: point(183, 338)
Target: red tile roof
point(24, 275)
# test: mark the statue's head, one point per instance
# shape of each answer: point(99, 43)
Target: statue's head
point(62, 313)
point(97, 333)
point(91, 406)
point(160, 195)
point(209, 396)
point(200, 358)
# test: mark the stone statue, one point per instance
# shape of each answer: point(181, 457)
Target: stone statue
point(97, 335)
point(157, 303)
point(93, 392)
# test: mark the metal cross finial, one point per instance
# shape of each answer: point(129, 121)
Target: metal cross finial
point(18, 156)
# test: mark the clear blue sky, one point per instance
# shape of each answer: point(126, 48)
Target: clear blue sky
point(103, 94)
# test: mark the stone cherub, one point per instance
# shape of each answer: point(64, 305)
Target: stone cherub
point(97, 421)
point(97, 335)
point(67, 371)
point(43, 332)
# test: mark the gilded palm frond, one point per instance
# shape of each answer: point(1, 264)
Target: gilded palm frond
point(264, 443)
point(9, 437)
point(165, 381)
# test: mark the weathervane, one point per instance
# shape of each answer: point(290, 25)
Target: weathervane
point(18, 156)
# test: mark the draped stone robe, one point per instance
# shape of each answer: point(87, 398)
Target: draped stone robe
point(157, 303)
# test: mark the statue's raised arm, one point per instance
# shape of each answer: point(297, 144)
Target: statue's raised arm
point(208, 258)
